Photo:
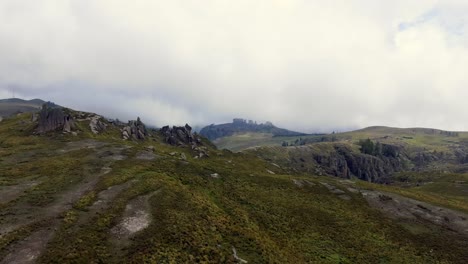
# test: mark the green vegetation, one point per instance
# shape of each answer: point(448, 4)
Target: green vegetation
point(200, 208)
point(242, 141)
point(241, 126)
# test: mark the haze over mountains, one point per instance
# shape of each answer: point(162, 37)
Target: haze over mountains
point(284, 131)
point(321, 67)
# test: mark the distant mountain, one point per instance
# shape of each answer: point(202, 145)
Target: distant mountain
point(76, 187)
point(13, 106)
point(240, 125)
point(377, 154)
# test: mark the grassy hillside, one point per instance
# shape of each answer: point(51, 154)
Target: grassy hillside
point(96, 198)
point(12, 106)
point(241, 126)
point(242, 141)
point(418, 138)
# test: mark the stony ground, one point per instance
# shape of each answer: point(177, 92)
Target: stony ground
point(103, 200)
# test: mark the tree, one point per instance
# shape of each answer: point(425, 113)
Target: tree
point(367, 146)
point(378, 149)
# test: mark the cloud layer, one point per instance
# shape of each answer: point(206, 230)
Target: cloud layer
point(307, 65)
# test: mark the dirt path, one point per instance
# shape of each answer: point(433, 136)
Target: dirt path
point(28, 250)
point(104, 201)
point(11, 192)
point(23, 214)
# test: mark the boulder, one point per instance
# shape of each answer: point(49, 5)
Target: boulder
point(53, 119)
point(180, 135)
point(134, 130)
point(68, 123)
point(97, 125)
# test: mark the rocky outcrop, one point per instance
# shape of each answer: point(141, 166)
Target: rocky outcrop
point(343, 162)
point(183, 136)
point(335, 159)
point(180, 135)
point(134, 130)
point(53, 119)
point(96, 125)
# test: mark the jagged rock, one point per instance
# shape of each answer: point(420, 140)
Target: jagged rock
point(125, 135)
point(51, 119)
point(345, 163)
point(1, 119)
point(178, 135)
point(182, 136)
point(340, 160)
point(135, 130)
point(67, 126)
point(96, 125)
point(34, 117)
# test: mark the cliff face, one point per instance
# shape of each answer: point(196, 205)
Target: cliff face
point(344, 162)
point(339, 160)
point(54, 118)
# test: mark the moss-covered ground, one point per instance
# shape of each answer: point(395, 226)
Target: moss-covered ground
point(198, 217)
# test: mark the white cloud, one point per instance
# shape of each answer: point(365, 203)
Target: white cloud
point(312, 65)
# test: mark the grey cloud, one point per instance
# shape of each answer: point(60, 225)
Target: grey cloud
point(308, 65)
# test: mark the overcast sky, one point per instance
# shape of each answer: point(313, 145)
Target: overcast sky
point(306, 65)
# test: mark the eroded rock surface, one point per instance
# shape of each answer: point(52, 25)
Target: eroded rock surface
point(96, 125)
point(136, 217)
point(333, 189)
point(134, 130)
point(11, 192)
point(182, 135)
point(54, 118)
point(29, 250)
point(302, 183)
point(399, 207)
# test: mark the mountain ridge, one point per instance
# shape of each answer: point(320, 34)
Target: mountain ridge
point(102, 191)
point(240, 125)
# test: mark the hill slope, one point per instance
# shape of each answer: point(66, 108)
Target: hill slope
point(13, 106)
point(88, 197)
point(375, 154)
point(242, 134)
point(238, 125)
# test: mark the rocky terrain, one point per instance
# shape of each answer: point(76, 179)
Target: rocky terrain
point(375, 154)
point(79, 188)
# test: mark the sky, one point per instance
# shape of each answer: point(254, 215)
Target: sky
point(308, 65)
